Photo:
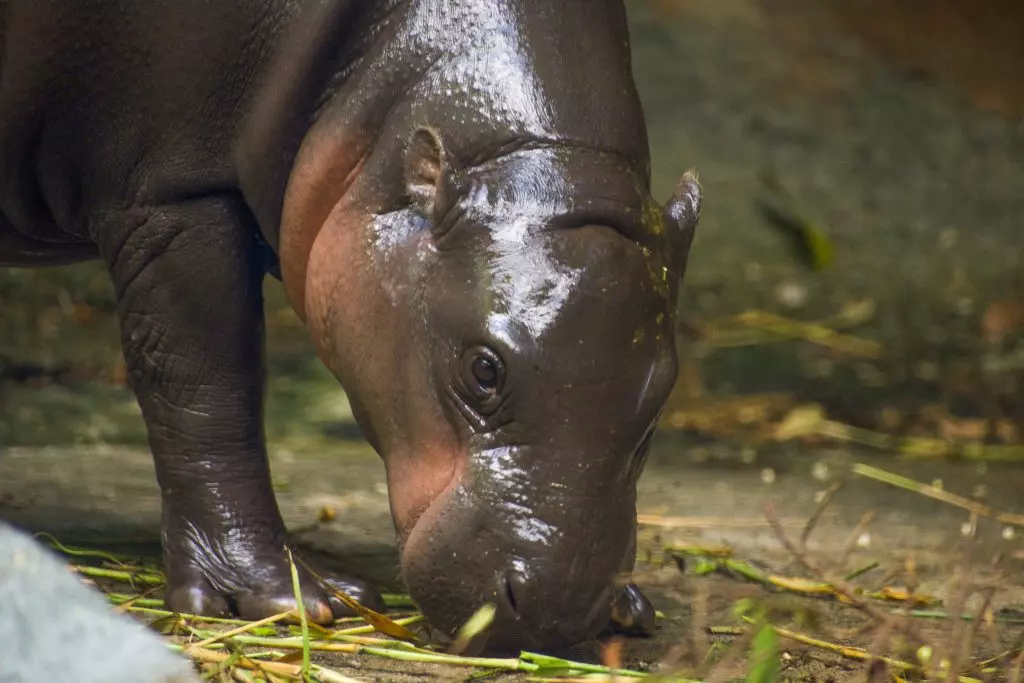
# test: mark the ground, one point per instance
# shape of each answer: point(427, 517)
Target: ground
point(912, 158)
point(105, 497)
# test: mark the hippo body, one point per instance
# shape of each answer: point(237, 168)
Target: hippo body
point(456, 197)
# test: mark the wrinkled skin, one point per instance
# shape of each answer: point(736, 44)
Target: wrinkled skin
point(456, 196)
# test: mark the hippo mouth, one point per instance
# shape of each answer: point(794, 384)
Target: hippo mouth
point(451, 580)
point(464, 550)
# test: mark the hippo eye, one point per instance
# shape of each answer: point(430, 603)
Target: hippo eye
point(483, 375)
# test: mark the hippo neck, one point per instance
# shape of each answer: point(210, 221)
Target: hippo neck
point(317, 49)
point(520, 75)
point(513, 74)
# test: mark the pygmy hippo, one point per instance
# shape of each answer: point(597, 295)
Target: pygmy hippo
point(456, 197)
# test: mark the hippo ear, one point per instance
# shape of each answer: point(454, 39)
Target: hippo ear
point(682, 213)
point(425, 168)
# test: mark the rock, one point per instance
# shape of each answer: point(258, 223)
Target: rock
point(54, 627)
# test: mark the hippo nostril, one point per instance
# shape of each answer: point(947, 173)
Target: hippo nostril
point(510, 595)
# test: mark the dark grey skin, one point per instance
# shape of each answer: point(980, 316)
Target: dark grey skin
point(456, 196)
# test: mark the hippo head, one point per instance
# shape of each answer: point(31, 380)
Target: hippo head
point(505, 335)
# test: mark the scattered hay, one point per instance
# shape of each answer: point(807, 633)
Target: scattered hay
point(893, 646)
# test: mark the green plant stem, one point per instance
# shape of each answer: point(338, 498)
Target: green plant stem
point(144, 577)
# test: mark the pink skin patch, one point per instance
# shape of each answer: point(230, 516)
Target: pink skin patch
point(349, 312)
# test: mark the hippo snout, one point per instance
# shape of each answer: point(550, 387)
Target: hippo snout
point(533, 613)
point(551, 584)
point(537, 606)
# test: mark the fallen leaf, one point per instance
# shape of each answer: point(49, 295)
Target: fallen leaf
point(803, 420)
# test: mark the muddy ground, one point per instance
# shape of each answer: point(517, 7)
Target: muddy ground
point(911, 157)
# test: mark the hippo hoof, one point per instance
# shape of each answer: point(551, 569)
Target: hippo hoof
point(632, 612)
point(197, 596)
point(260, 590)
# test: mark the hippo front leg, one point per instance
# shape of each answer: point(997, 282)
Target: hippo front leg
point(190, 305)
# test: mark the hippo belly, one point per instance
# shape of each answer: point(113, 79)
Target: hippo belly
point(17, 250)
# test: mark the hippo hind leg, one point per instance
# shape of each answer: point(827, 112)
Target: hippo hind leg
point(188, 283)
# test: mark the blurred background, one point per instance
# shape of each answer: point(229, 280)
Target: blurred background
point(856, 284)
point(864, 170)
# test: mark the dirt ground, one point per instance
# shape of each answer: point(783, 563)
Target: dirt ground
point(704, 496)
point(855, 107)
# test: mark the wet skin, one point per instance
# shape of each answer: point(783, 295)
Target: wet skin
point(456, 196)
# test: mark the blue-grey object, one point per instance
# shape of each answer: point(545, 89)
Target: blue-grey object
point(55, 628)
